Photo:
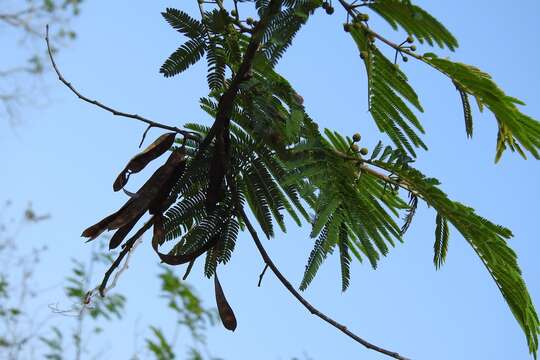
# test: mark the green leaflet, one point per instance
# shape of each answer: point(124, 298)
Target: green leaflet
point(185, 56)
point(387, 87)
point(183, 23)
point(517, 131)
point(488, 240)
point(415, 21)
point(440, 248)
point(281, 163)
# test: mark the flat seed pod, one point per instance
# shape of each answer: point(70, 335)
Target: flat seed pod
point(159, 231)
point(121, 180)
point(225, 311)
point(172, 259)
point(122, 232)
point(139, 161)
point(95, 230)
point(136, 206)
point(148, 193)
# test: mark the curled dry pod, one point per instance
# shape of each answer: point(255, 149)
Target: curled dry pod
point(95, 230)
point(122, 232)
point(139, 161)
point(137, 205)
point(225, 311)
point(159, 231)
point(149, 191)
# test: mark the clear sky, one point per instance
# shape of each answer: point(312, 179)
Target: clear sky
point(64, 157)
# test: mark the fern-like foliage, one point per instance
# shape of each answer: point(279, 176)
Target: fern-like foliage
point(487, 239)
point(517, 131)
point(191, 51)
point(278, 163)
point(415, 21)
point(387, 87)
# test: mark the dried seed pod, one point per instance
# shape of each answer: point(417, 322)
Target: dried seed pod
point(95, 230)
point(185, 258)
point(159, 231)
point(136, 206)
point(148, 192)
point(225, 311)
point(122, 232)
point(139, 161)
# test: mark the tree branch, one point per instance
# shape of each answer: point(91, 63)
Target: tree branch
point(186, 134)
point(303, 301)
point(262, 275)
point(126, 249)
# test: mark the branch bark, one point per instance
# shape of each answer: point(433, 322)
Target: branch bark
point(150, 123)
point(303, 301)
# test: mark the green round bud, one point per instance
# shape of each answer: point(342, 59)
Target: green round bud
point(413, 48)
point(347, 27)
point(354, 148)
point(364, 17)
point(405, 59)
point(330, 10)
point(249, 21)
point(234, 13)
point(356, 137)
point(364, 151)
point(410, 39)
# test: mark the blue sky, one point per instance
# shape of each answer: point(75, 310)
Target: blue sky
point(63, 157)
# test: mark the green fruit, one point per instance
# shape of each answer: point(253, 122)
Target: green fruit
point(410, 39)
point(330, 10)
point(356, 137)
point(405, 59)
point(347, 27)
point(413, 48)
point(234, 13)
point(249, 21)
point(354, 148)
point(363, 17)
point(364, 151)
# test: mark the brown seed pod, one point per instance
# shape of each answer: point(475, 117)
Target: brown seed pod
point(136, 206)
point(139, 161)
point(159, 231)
point(122, 232)
point(225, 311)
point(95, 230)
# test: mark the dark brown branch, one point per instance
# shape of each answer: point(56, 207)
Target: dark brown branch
point(144, 135)
point(303, 301)
point(262, 275)
point(186, 134)
point(226, 101)
point(126, 248)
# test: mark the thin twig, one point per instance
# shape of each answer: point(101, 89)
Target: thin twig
point(125, 251)
point(185, 133)
point(144, 135)
point(303, 301)
point(262, 275)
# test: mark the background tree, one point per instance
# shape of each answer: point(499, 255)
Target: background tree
point(30, 330)
point(22, 22)
point(274, 155)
